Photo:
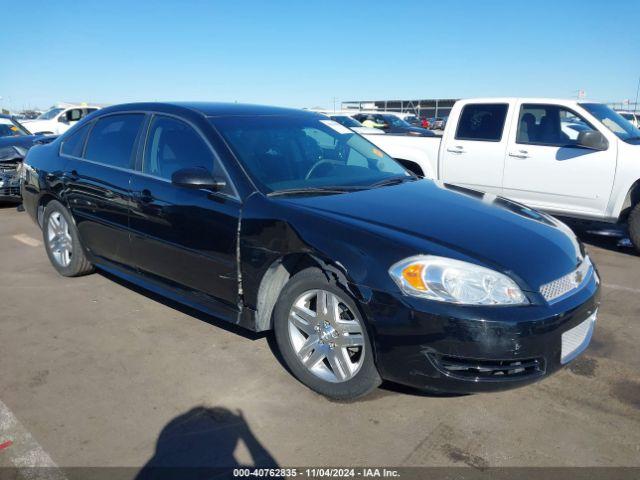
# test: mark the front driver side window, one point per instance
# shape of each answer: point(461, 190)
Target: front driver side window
point(173, 145)
point(550, 125)
point(74, 115)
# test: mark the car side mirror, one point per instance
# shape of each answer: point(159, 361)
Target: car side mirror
point(592, 140)
point(196, 178)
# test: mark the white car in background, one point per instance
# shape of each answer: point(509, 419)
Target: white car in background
point(59, 119)
point(633, 117)
point(346, 120)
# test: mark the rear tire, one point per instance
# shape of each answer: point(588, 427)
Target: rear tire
point(634, 227)
point(327, 348)
point(62, 242)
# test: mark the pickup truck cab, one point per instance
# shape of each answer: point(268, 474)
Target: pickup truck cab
point(59, 119)
point(570, 158)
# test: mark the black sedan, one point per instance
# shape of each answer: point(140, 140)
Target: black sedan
point(284, 220)
point(15, 141)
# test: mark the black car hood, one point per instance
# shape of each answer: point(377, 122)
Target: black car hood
point(483, 228)
point(23, 141)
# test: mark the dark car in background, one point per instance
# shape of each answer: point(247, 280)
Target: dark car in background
point(390, 123)
point(15, 141)
point(279, 219)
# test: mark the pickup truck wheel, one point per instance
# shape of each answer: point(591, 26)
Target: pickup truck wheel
point(634, 227)
point(62, 242)
point(323, 339)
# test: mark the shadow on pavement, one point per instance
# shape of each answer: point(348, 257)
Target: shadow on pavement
point(9, 205)
point(588, 235)
point(203, 443)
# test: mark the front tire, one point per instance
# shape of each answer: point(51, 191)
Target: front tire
point(634, 227)
point(323, 339)
point(62, 242)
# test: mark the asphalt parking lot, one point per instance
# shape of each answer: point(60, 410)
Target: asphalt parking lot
point(96, 373)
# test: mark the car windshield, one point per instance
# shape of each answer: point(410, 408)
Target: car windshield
point(395, 121)
point(346, 121)
point(623, 129)
point(50, 114)
point(284, 153)
point(9, 128)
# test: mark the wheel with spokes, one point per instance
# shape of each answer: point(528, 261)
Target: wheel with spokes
point(62, 242)
point(323, 339)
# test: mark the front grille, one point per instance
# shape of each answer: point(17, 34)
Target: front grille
point(10, 192)
point(8, 167)
point(490, 370)
point(571, 281)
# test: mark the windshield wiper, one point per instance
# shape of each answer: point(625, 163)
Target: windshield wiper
point(392, 181)
point(310, 190)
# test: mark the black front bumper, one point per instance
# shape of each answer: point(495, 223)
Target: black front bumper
point(450, 348)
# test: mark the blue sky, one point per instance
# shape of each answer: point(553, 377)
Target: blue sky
point(305, 53)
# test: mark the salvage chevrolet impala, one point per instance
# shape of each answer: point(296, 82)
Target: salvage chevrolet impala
point(284, 220)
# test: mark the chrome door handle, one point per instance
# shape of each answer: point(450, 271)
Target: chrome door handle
point(456, 150)
point(520, 154)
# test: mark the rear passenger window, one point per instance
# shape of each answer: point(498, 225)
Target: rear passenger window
point(75, 142)
point(482, 122)
point(112, 139)
point(173, 145)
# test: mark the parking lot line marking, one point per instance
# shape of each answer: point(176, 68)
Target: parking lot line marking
point(26, 452)
point(621, 287)
point(27, 240)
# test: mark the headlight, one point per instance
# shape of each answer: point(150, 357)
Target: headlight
point(447, 280)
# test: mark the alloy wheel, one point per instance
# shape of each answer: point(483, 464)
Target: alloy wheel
point(327, 335)
point(59, 239)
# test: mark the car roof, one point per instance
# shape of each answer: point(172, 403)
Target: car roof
point(212, 109)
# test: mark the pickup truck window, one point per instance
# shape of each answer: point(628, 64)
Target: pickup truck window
point(482, 122)
point(73, 115)
point(623, 129)
point(549, 125)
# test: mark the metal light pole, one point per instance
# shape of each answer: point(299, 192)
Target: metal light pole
point(635, 107)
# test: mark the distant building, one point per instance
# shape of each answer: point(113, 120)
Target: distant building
point(436, 107)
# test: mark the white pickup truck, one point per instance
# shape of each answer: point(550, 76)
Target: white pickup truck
point(569, 158)
point(59, 119)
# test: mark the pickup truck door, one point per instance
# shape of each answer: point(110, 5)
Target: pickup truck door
point(472, 152)
point(544, 167)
